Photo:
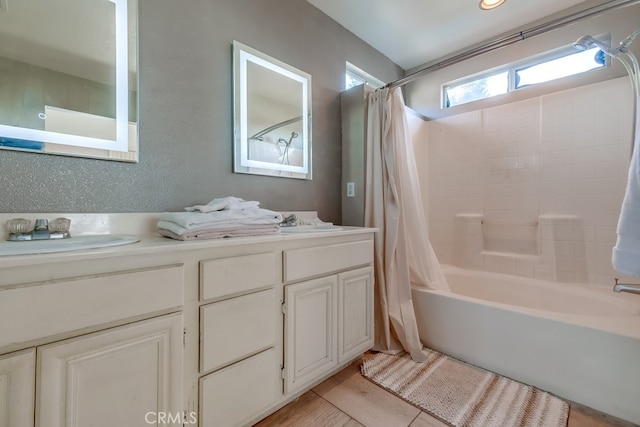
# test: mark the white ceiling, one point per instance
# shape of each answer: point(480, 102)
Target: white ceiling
point(414, 32)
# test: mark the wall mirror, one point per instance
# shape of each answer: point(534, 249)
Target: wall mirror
point(68, 77)
point(272, 116)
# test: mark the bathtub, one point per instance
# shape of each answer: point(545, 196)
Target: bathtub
point(579, 342)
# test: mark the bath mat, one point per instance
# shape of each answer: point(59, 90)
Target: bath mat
point(464, 395)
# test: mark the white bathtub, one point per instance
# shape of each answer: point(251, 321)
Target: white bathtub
point(579, 342)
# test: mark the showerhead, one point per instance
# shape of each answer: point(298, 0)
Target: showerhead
point(588, 42)
point(624, 44)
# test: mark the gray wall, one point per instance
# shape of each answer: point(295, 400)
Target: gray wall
point(185, 122)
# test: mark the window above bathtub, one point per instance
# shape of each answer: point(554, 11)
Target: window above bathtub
point(559, 63)
point(355, 76)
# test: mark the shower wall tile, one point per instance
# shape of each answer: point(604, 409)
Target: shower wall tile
point(565, 153)
point(454, 177)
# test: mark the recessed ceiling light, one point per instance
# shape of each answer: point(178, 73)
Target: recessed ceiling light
point(490, 4)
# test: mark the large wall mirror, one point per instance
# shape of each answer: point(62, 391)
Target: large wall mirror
point(68, 77)
point(272, 117)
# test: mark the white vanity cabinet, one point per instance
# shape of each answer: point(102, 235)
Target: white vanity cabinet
point(100, 348)
point(277, 318)
point(239, 333)
point(328, 319)
point(215, 333)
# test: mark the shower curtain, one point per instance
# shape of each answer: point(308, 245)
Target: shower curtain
point(403, 253)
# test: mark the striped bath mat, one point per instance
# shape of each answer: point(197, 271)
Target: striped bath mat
point(464, 395)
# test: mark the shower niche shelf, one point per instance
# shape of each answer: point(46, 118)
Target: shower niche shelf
point(551, 247)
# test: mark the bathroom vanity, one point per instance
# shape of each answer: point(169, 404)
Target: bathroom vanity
point(162, 332)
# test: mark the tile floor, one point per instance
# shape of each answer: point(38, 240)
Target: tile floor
point(348, 399)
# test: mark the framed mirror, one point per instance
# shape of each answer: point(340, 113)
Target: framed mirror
point(68, 77)
point(272, 116)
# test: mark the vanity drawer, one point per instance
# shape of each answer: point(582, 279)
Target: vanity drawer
point(236, 275)
point(236, 328)
point(300, 264)
point(33, 311)
point(240, 392)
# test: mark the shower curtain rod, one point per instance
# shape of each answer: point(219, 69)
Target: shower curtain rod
point(514, 38)
point(274, 127)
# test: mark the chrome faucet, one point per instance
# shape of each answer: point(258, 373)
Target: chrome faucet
point(624, 287)
point(290, 221)
point(41, 230)
point(20, 229)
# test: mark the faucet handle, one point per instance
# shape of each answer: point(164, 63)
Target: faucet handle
point(18, 225)
point(59, 225)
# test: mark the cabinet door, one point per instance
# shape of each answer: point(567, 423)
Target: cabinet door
point(17, 394)
point(355, 313)
point(126, 376)
point(310, 331)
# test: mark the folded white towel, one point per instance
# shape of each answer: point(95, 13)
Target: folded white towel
point(224, 203)
point(224, 218)
point(626, 253)
point(221, 233)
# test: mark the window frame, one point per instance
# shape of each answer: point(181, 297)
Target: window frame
point(516, 66)
point(472, 78)
point(362, 76)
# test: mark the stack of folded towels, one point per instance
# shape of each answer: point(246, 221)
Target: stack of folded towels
point(220, 218)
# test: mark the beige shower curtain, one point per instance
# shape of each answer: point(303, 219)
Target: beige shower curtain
point(403, 253)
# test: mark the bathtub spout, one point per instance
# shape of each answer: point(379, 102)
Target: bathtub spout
point(623, 287)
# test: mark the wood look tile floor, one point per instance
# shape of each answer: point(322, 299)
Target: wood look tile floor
point(348, 399)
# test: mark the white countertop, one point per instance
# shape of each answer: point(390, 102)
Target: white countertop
point(149, 240)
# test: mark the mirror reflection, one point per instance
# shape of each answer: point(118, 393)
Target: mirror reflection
point(67, 77)
point(272, 116)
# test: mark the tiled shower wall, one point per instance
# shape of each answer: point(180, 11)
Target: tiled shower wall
point(532, 188)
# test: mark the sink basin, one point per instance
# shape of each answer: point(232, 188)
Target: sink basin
point(63, 245)
point(309, 228)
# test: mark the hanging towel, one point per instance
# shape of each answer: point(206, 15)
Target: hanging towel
point(224, 203)
point(626, 253)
